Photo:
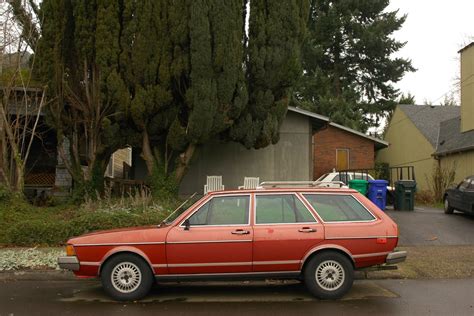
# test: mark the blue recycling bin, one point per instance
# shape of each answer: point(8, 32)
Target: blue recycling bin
point(378, 192)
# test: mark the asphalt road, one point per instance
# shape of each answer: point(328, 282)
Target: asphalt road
point(384, 297)
point(428, 226)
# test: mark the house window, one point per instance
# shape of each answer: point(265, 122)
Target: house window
point(342, 159)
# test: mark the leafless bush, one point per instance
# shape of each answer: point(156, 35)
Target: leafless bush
point(440, 179)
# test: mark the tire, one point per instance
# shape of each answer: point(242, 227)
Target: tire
point(447, 207)
point(126, 277)
point(329, 275)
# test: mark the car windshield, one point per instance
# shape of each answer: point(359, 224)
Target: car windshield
point(180, 210)
point(322, 177)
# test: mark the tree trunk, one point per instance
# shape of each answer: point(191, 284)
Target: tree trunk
point(147, 153)
point(184, 160)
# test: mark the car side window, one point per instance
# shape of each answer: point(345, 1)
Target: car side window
point(222, 210)
point(338, 208)
point(464, 184)
point(471, 186)
point(281, 208)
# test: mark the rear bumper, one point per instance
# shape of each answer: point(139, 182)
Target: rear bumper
point(396, 257)
point(69, 263)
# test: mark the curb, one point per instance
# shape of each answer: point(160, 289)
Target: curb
point(37, 275)
point(64, 275)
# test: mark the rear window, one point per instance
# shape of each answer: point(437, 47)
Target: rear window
point(339, 208)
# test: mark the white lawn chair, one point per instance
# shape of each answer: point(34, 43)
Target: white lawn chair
point(250, 183)
point(214, 183)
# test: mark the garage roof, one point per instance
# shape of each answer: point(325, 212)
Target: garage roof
point(319, 121)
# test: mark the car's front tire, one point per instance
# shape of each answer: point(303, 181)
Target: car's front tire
point(329, 275)
point(126, 277)
point(447, 206)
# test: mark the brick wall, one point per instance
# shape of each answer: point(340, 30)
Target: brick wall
point(326, 141)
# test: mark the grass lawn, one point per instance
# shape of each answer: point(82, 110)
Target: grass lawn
point(22, 224)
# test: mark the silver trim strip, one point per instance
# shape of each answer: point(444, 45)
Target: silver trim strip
point(277, 262)
point(121, 244)
point(208, 241)
point(225, 274)
point(367, 255)
point(209, 264)
point(159, 265)
point(89, 263)
point(367, 237)
point(217, 264)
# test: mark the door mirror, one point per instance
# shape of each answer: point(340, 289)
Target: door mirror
point(186, 224)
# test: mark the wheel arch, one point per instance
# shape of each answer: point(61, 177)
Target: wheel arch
point(125, 250)
point(325, 248)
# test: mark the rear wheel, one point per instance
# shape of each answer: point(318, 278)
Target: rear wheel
point(126, 277)
point(329, 275)
point(447, 206)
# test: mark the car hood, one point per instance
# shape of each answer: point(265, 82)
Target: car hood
point(122, 236)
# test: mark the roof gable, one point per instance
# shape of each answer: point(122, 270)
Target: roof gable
point(427, 118)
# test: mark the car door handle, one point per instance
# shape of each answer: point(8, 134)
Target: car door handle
point(307, 230)
point(240, 232)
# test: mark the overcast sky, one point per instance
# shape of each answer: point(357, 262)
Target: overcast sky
point(435, 31)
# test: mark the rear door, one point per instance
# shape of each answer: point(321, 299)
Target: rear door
point(284, 230)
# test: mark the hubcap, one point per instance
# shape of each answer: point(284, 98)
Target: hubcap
point(330, 275)
point(446, 204)
point(126, 277)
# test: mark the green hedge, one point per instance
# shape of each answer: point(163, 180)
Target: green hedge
point(25, 225)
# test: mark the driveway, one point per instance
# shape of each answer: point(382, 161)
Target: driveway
point(429, 226)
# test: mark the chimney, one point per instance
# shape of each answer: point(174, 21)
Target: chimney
point(467, 88)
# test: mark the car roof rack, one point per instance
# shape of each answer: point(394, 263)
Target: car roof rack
point(304, 184)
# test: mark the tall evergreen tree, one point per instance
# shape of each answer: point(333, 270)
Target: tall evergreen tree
point(78, 55)
point(176, 74)
point(276, 31)
point(349, 69)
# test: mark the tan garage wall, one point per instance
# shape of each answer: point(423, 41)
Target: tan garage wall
point(463, 162)
point(408, 147)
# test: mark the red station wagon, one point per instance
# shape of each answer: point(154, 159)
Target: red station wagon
point(317, 235)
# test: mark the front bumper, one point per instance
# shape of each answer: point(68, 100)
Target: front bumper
point(69, 263)
point(396, 257)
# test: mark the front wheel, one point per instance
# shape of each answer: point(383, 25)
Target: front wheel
point(126, 277)
point(447, 206)
point(329, 275)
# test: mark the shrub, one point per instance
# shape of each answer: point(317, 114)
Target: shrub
point(29, 226)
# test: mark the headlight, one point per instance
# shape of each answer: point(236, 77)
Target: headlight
point(70, 250)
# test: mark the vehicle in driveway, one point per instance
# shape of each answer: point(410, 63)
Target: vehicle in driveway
point(319, 235)
point(460, 198)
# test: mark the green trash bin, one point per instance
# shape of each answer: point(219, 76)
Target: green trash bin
point(405, 195)
point(359, 185)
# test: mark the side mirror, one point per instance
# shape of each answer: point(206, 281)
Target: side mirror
point(186, 224)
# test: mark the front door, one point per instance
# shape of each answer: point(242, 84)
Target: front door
point(342, 159)
point(284, 230)
point(458, 197)
point(217, 240)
